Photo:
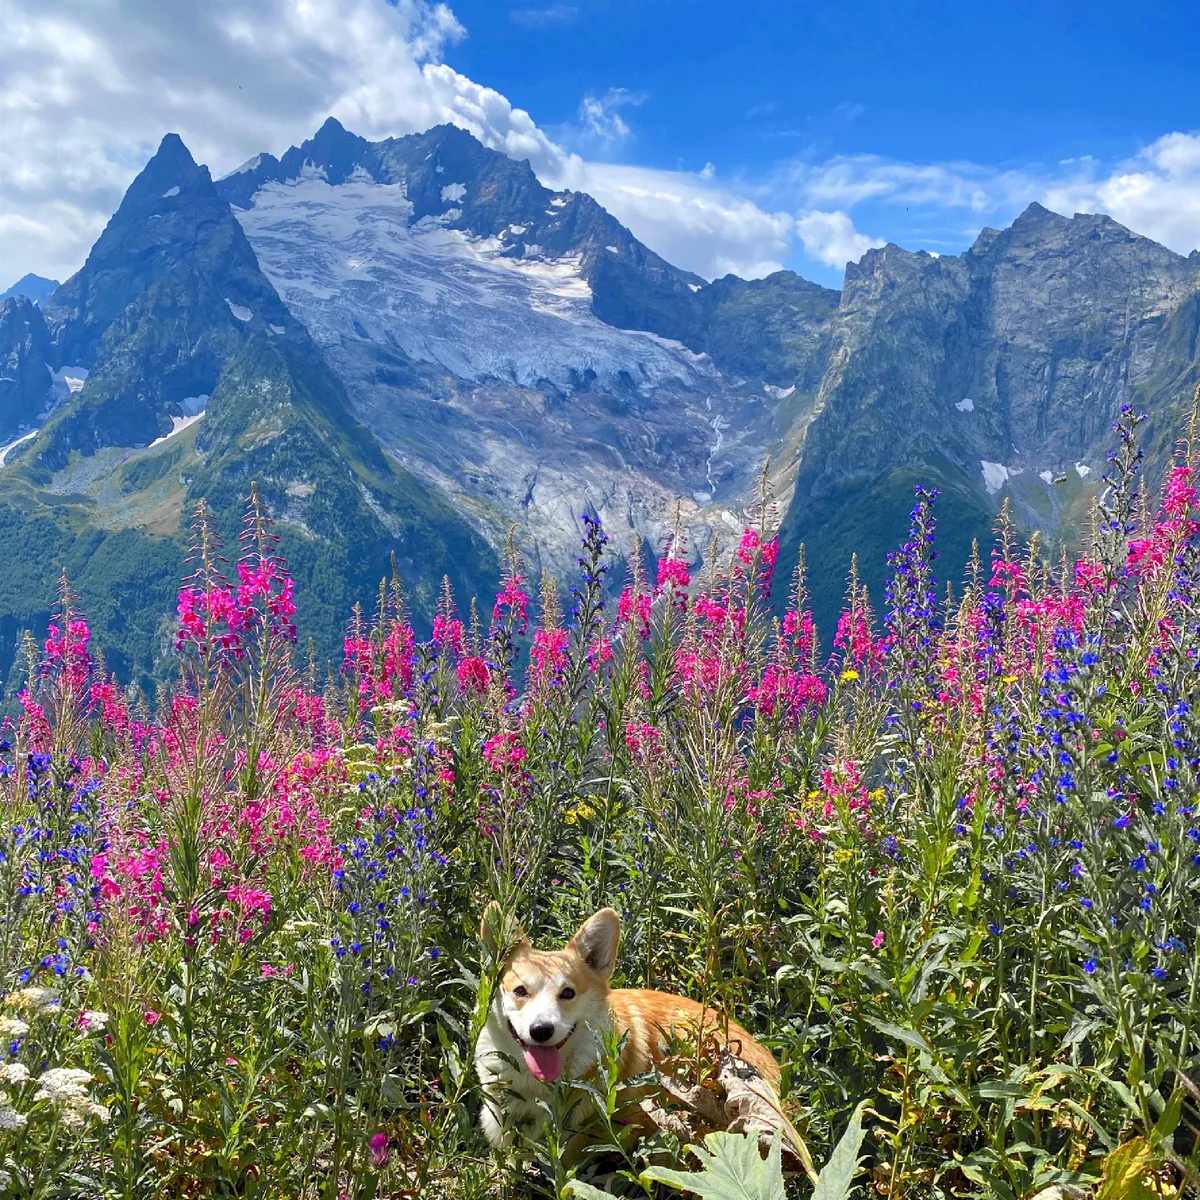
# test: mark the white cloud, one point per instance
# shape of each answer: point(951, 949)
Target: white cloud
point(89, 90)
point(830, 237)
point(553, 15)
point(687, 220)
point(600, 117)
point(1156, 193)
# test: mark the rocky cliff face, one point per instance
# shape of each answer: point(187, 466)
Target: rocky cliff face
point(412, 345)
point(996, 373)
point(26, 377)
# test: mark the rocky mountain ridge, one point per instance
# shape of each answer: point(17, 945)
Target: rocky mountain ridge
point(413, 345)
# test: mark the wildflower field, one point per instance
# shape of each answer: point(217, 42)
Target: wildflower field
point(946, 863)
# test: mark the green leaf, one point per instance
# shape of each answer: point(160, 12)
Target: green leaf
point(999, 1089)
point(733, 1170)
point(1125, 1172)
point(577, 1188)
point(910, 1037)
point(1169, 1121)
point(837, 1175)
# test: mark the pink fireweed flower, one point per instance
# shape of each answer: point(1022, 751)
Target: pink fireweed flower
point(877, 940)
point(473, 675)
point(548, 655)
point(152, 1017)
point(67, 653)
point(633, 609)
point(504, 753)
point(449, 633)
point(514, 601)
point(673, 575)
point(767, 552)
point(380, 1153)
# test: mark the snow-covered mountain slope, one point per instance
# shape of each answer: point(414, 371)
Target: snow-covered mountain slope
point(349, 263)
point(478, 361)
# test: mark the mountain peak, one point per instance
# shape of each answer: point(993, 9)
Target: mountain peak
point(329, 127)
point(172, 150)
point(35, 288)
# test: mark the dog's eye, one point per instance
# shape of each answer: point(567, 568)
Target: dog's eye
point(567, 994)
point(520, 990)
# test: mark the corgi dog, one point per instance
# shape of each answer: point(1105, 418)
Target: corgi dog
point(550, 1011)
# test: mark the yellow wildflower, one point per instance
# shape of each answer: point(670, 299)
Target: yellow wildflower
point(849, 676)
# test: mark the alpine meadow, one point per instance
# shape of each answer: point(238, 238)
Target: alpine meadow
point(599, 600)
point(947, 872)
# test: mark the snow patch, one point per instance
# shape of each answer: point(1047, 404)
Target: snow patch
point(439, 295)
point(178, 425)
point(517, 230)
point(694, 286)
point(995, 475)
point(63, 383)
point(453, 192)
point(778, 392)
point(193, 409)
point(558, 202)
point(966, 404)
point(171, 192)
point(1046, 476)
point(1082, 470)
point(612, 249)
point(251, 164)
point(68, 380)
point(5, 450)
point(240, 311)
point(277, 329)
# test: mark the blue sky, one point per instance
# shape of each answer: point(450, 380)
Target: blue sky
point(727, 137)
point(757, 87)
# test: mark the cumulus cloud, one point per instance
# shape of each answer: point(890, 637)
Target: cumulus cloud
point(600, 116)
point(1156, 193)
point(685, 218)
point(830, 237)
point(91, 88)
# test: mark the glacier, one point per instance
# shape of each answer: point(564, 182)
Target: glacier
point(349, 264)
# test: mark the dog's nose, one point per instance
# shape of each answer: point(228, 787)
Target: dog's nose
point(542, 1032)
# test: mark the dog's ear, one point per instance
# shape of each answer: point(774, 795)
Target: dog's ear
point(499, 934)
point(597, 939)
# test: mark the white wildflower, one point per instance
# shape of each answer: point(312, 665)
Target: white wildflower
point(101, 1113)
point(14, 1072)
point(13, 1027)
point(36, 999)
point(93, 1020)
point(66, 1089)
point(60, 1084)
point(5, 1179)
point(10, 1118)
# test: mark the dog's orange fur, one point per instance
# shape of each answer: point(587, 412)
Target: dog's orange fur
point(646, 1015)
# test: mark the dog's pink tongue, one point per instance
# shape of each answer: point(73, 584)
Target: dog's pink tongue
point(544, 1062)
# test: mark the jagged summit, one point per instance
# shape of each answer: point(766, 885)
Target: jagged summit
point(413, 344)
point(36, 288)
